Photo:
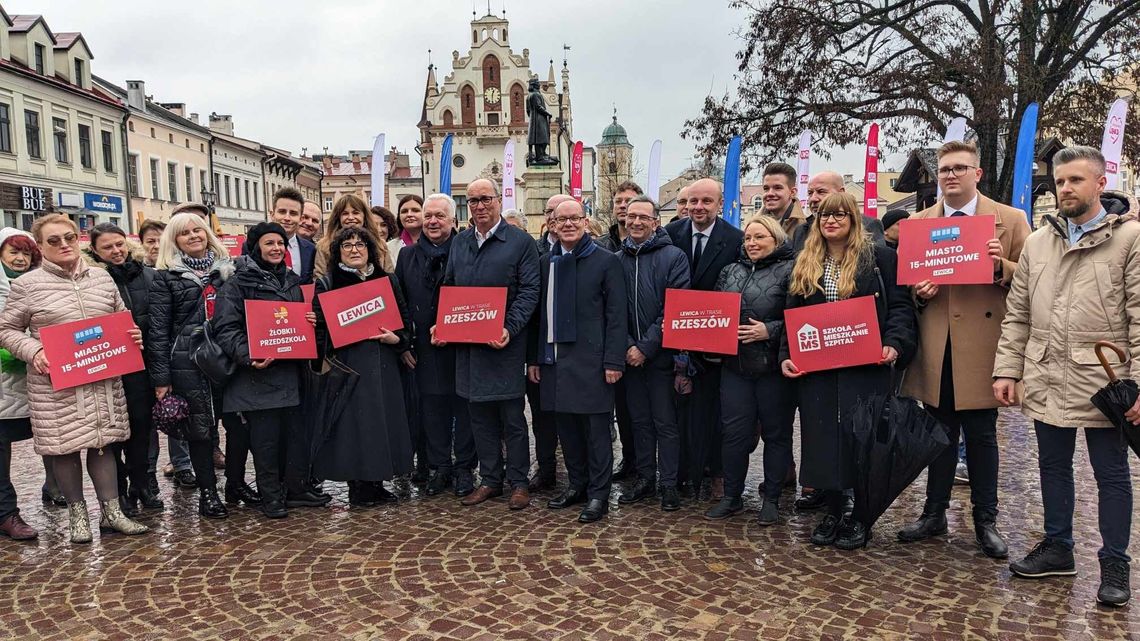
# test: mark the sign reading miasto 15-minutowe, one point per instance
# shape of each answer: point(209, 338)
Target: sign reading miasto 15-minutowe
point(946, 251)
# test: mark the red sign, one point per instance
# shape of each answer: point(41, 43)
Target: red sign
point(946, 251)
point(834, 335)
point(279, 330)
point(701, 321)
point(307, 291)
point(233, 243)
point(871, 174)
point(91, 350)
point(576, 172)
point(471, 314)
point(359, 312)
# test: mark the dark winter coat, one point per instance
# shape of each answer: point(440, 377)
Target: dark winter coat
point(420, 278)
point(611, 240)
point(507, 259)
point(763, 289)
point(134, 280)
point(826, 398)
point(649, 271)
point(576, 382)
point(720, 249)
point(253, 389)
point(177, 308)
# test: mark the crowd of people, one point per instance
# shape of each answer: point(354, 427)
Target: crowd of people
point(582, 344)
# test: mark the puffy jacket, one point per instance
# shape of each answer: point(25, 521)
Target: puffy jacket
point(649, 270)
point(14, 383)
point(763, 288)
point(177, 308)
point(253, 389)
point(78, 418)
point(1063, 299)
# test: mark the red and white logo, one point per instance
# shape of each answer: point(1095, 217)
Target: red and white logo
point(808, 338)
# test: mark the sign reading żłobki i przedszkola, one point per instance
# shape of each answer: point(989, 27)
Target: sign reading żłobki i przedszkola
point(946, 251)
point(834, 335)
point(279, 330)
point(95, 349)
point(470, 314)
point(359, 312)
point(701, 321)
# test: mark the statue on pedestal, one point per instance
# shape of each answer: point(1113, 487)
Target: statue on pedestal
point(538, 137)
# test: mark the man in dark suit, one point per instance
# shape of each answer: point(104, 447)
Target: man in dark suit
point(709, 243)
point(822, 185)
point(301, 253)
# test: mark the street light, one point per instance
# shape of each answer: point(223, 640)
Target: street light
point(208, 199)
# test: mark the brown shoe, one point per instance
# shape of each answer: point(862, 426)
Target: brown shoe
point(716, 492)
point(219, 460)
point(16, 529)
point(520, 498)
point(481, 494)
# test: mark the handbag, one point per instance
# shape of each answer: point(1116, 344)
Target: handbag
point(209, 357)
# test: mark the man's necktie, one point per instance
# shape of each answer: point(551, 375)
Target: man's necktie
point(699, 250)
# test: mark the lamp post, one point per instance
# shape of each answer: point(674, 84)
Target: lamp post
point(208, 199)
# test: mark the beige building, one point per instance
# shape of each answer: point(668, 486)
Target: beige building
point(352, 174)
point(239, 200)
point(61, 138)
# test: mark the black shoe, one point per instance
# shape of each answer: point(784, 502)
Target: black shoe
point(988, 538)
point(727, 507)
point(769, 513)
point(624, 472)
point(185, 478)
point(53, 499)
point(209, 505)
point(307, 499)
point(1114, 588)
point(464, 483)
point(1048, 558)
point(826, 531)
point(568, 497)
point(316, 486)
point(152, 484)
point(274, 509)
point(422, 473)
point(237, 494)
point(146, 499)
point(362, 494)
point(670, 499)
point(640, 491)
point(542, 482)
point(931, 523)
point(852, 534)
point(595, 509)
point(439, 481)
point(382, 493)
point(811, 501)
point(129, 506)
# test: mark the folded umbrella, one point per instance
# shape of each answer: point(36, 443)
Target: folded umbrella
point(332, 391)
point(1116, 398)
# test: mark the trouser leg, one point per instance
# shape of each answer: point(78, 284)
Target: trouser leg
point(488, 436)
point(8, 504)
point(545, 430)
point(137, 449)
point(738, 416)
point(979, 427)
point(298, 450)
point(574, 450)
point(237, 448)
point(600, 454)
point(664, 417)
point(202, 459)
point(776, 413)
point(438, 427)
point(179, 452)
point(517, 440)
point(1109, 458)
point(266, 430)
point(638, 406)
point(1055, 447)
point(625, 426)
point(940, 473)
point(152, 454)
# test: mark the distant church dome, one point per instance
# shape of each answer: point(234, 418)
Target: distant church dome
point(614, 134)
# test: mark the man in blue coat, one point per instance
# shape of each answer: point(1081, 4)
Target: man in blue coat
point(493, 253)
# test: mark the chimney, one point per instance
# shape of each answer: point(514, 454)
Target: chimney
point(136, 94)
point(356, 156)
point(222, 124)
point(176, 108)
point(194, 118)
point(847, 178)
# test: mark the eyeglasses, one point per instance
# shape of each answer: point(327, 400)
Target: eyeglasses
point(354, 247)
point(957, 170)
point(834, 215)
point(69, 238)
point(482, 200)
point(633, 218)
point(562, 220)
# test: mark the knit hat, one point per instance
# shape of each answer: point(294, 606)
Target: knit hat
point(257, 231)
point(893, 216)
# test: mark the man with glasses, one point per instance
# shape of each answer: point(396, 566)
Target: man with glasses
point(549, 238)
point(821, 186)
point(578, 355)
point(959, 328)
point(492, 253)
point(682, 203)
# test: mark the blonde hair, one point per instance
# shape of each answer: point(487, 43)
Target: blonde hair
point(771, 224)
point(168, 251)
point(51, 219)
point(807, 275)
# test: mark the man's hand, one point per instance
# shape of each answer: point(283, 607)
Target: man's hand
point(634, 357)
point(995, 251)
point(612, 376)
point(434, 342)
point(408, 359)
point(926, 290)
point(1005, 391)
point(500, 344)
point(534, 374)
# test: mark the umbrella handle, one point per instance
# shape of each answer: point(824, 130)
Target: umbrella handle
point(1100, 347)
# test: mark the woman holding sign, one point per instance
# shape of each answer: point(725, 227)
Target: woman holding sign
point(368, 441)
point(87, 417)
point(839, 262)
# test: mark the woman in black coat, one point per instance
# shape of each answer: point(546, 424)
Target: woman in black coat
point(369, 443)
point(839, 262)
point(192, 266)
point(751, 387)
point(111, 250)
point(265, 392)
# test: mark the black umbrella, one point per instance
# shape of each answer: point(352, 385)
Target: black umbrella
point(893, 440)
point(331, 393)
point(1116, 398)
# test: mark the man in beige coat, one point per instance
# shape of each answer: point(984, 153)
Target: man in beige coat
point(959, 327)
point(1078, 282)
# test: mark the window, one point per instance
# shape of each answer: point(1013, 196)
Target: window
point(133, 175)
point(5, 129)
point(79, 73)
point(256, 200)
point(227, 199)
point(170, 137)
point(152, 132)
point(172, 180)
point(328, 203)
point(216, 188)
point(108, 152)
point(59, 136)
point(187, 143)
point(130, 126)
point(85, 147)
point(40, 49)
point(154, 178)
point(201, 181)
point(460, 209)
point(32, 129)
point(237, 192)
point(894, 181)
point(247, 195)
point(189, 184)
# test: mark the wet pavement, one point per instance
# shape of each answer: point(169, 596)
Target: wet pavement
point(429, 568)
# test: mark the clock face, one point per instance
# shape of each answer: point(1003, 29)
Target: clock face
point(491, 95)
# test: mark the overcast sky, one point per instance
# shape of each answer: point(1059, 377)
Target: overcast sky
point(335, 73)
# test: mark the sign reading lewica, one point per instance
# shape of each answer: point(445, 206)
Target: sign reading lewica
point(701, 321)
point(946, 251)
point(95, 349)
point(834, 335)
point(359, 312)
point(471, 314)
point(279, 330)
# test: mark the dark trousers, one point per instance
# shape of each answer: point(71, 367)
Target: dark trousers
point(492, 423)
point(979, 427)
point(447, 428)
point(202, 460)
point(415, 416)
point(268, 436)
point(237, 448)
point(588, 452)
point(8, 505)
point(625, 425)
point(1109, 458)
point(132, 456)
point(545, 429)
point(297, 458)
point(703, 442)
point(744, 401)
point(649, 397)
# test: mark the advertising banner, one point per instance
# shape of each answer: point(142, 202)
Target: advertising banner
point(357, 313)
point(834, 335)
point(279, 330)
point(946, 251)
point(471, 314)
point(91, 350)
point(701, 321)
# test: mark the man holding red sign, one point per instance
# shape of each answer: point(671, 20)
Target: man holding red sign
point(959, 326)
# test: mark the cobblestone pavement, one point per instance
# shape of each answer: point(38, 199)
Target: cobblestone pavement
point(431, 569)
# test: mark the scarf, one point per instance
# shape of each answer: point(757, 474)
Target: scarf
point(200, 266)
point(125, 273)
point(559, 317)
point(362, 275)
point(11, 273)
point(406, 238)
point(436, 260)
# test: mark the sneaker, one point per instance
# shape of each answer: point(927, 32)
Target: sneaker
point(825, 533)
point(961, 474)
point(1049, 558)
point(185, 478)
point(1114, 588)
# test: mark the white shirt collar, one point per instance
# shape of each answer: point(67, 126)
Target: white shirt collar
point(708, 230)
point(969, 208)
point(482, 238)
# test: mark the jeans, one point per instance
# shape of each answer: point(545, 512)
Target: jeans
point(649, 397)
point(178, 450)
point(744, 401)
point(1109, 458)
point(492, 423)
